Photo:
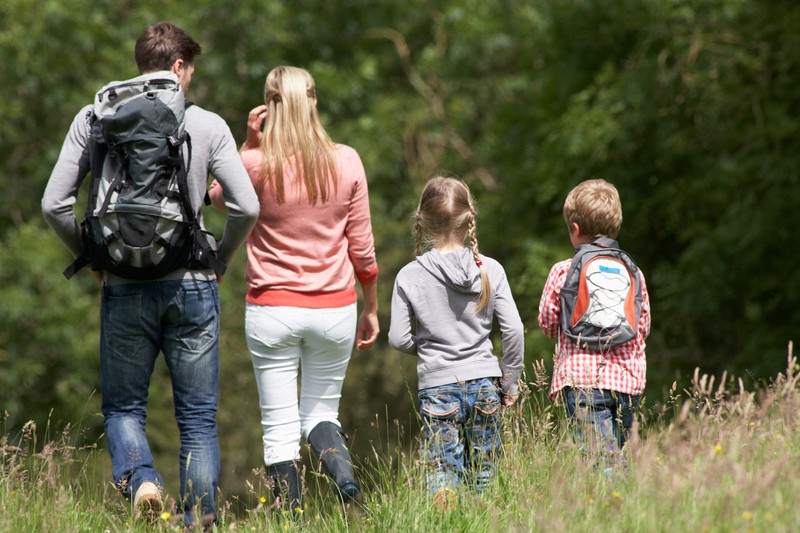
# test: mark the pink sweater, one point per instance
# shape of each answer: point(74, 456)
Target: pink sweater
point(304, 255)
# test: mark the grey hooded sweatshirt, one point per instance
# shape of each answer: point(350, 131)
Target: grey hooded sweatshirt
point(433, 316)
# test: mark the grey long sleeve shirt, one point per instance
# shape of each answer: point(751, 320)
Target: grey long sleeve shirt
point(433, 316)
point(213, 150)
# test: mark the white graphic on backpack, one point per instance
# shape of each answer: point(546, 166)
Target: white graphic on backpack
point(607, 282)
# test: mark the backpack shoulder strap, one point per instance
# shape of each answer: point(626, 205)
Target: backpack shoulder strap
point(80, 262)
point(97, 155)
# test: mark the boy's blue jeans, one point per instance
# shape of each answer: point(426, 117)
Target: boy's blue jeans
point(460, 435)
point(600, 420)
point(180, 319)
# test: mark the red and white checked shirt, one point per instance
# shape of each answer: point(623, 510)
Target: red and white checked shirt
point(621, 368)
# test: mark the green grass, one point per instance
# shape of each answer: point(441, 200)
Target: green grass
point(713, 457)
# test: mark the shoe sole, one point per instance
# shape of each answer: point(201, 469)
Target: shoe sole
point(149, 508)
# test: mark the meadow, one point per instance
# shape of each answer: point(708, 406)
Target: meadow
point(714, 456)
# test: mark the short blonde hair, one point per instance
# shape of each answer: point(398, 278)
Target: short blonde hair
point(594, 205)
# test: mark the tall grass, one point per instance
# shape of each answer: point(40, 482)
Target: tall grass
point(712, 457)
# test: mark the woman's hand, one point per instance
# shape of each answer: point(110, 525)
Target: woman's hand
point(368, 329)
point(255, 120)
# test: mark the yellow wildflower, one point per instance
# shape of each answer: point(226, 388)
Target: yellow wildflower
point(717, 449)
point(165, 515)
point(747, 515)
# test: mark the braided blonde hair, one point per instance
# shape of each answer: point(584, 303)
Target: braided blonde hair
point(447, 214)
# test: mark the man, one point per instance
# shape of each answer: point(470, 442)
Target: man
point(177, 314)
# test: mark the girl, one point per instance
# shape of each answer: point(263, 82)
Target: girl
point(442, 308)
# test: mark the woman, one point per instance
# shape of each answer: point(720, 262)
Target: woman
point(313, 236)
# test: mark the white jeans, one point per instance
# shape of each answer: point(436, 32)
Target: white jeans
point(281, 339)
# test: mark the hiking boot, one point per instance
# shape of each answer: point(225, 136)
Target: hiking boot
point(148, 502)
point(328, 441)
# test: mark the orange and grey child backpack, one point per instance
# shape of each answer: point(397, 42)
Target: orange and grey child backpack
point(601, 300)
point(139, 221)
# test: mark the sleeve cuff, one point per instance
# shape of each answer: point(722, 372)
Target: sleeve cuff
point(367, 277)
point(510, 389)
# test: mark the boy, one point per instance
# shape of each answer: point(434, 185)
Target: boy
point(600, 383)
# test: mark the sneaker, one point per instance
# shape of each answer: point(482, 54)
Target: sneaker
point(148, 501)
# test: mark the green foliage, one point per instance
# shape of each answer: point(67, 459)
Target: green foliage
point(50, 333)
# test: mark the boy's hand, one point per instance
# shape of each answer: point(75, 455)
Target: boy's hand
point(508, 400)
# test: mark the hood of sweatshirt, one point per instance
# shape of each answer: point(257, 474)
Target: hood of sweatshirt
point(456, 269)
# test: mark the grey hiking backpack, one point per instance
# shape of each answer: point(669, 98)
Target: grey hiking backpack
point(601, 300)
point(139, 221)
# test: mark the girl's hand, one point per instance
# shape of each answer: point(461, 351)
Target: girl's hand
point(255, 120)
point(508, 401)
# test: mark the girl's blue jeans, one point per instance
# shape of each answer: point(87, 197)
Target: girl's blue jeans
point(460, 435)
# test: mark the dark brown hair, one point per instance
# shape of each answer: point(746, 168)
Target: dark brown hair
point(161, 44)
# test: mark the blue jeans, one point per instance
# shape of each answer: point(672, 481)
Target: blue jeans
point(460, 436)
point(180, 319)
point(600, 420)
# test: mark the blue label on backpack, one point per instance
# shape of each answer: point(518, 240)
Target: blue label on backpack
point(610, 270)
